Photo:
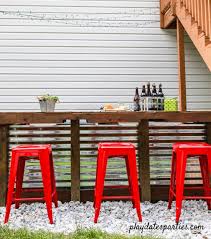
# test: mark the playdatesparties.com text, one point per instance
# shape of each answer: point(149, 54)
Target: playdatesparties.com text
point(163, 227)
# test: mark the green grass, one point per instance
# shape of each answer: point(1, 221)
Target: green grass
point(6, 233)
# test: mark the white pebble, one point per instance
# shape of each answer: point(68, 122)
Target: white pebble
point(115, 217)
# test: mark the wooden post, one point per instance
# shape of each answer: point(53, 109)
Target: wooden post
point(4, 133)
point(161, 16)
point(75, 160)
point(144, 163)
point(181, 66)
point(208, 137)
point(173, 6)
point(208, 133)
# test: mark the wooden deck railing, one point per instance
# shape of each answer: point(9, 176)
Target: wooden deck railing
point(195, 17)
point(200, 11)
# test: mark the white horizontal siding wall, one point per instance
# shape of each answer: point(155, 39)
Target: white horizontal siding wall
point(89, 53)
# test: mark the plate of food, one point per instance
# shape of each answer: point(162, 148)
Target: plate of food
point(110, 107)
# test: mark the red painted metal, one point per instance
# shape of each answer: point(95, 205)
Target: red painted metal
point(19, 155)
point(126, 151)
point(180, 154)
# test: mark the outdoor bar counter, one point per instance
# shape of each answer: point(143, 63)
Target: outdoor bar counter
point(191, 119)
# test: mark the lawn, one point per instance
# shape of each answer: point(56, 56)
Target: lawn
point(6, 233)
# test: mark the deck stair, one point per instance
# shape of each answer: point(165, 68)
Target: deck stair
point(195, 16)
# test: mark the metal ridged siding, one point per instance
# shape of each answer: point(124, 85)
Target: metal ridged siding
point(162, 136)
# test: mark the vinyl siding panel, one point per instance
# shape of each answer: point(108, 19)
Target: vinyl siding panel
point(89, 53)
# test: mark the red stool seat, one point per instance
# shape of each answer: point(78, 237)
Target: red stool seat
point(116, 145)
point(20, 154)
point(180, 154)
point(126, 151)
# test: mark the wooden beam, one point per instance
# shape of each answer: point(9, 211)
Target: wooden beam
point(143, 157)
point(103, 117)
point(181, 67)
point(167, 13)
point(75, 160)
point(173, 6)
point(164, 5)
point(208, 133)
point(208, 138)
point(4, 133)
point(169, 18)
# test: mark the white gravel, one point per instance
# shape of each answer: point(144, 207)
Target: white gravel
point(115, 217)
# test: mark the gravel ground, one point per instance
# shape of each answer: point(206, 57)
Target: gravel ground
point(116, 217)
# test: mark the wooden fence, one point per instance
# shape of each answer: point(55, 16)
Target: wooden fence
point(75, 150)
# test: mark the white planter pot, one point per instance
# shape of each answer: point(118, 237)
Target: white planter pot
point(47, 106)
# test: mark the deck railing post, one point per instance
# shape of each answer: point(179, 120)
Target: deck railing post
point(181, 67)
point(4, 135)
point(173, 7)
point(75, 160)
point(143, 157)
point(208, 132)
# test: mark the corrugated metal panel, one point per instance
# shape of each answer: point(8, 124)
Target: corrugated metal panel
point(162, 136)
point(90, 52)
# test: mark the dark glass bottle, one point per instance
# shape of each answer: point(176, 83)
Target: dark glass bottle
point(161, 98)
point(154, 91)
point(143, 98)
point(149, 103)
point(136, 100)
point(149, 94)
point(154, 98)
point(143, 92)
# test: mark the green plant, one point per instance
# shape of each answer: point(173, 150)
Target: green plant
point(6, 233)
point(48, 97)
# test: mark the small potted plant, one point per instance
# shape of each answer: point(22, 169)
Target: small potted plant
point(47, 102)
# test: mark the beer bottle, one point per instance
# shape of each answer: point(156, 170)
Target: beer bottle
point(143, 92)
point(161, 98)
point(149, 94)
point(136, 100)
point(149, 98)
point(143, 98)
point(154, 97)
point(154, 90)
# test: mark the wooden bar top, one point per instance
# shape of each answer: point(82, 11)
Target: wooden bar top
point(103, 117)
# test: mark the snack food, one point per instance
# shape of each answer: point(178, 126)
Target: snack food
point(108, 107)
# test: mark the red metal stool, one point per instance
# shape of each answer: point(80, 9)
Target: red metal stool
point(19, 155)
point(127, 151)
point(181, 151)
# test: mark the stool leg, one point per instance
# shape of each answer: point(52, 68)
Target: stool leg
point(11, 184)
point(172, 181)
point(97, 165)
point(205, 177)
point(46, 177)
point(129, 180)
point(53, 182)
point(134, 181)
point(209, 162)
point(19, 180)
point(180, 177)
point(100, 183)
